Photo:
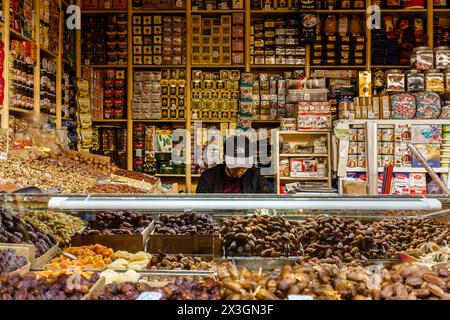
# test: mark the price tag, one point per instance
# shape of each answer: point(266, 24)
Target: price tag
point(300, 297)
point(3, 156)
point(150, 295)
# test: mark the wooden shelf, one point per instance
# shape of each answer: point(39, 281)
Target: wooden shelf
point(401, 169)
point(217, 66)
point(159, 121)
point(214, 121)
point(304, 155)
point(274, 11)
point(212, 12)
point(399, 121)
point(106, 66)
point(49, 53)
point(303, 178)
point(266, 121)
point(338, 67)
point(170, 175)
point(65, 61)
point(303, 132)
point(19, 36)
point(404, 11)
point(19, 110)
point(149, 11)
point(154, 66)
point(103, 11)
point(336, 11)
point(277, 66)
point(387, 66)
point(109, 120)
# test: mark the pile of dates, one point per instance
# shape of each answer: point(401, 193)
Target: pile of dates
point(182, 289)
point(32, 286)
point(117, 222)
point(15, 230)
point(260, 235)
point(412, 281)
point(10, 261)
point(321, 281)
point(187, 224)
point(177, 262)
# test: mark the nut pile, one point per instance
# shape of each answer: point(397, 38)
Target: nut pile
point(187, 224)
point(14, 230)
point(87, 257)
point(411, 281)
point(33, 286)
point(259, 235)
point(62, 225)
point(182, 289)
point(117, 222)
point(135, 175)
point(113, 188)
point(10, 261)
point(178, 262)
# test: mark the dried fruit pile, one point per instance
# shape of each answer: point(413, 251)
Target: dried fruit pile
point(87, 257)
point(10, 261)
point(117, 222)
point(186, 224)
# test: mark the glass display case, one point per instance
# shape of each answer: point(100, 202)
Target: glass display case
point(162, 238)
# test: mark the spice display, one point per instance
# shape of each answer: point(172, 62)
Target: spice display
point(178, 262)
point(218, 40)
point(180, 290)
point(15, 230)
point(117, 222)
point(260, 235)
point(159, 40)
point(403, 106)
point(412, 281)
point(10, 261)
point(62, 225)
point(33, 286)
point(130, 261)
point(87, 257)
point(186, 224)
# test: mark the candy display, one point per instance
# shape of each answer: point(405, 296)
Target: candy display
point(403, 106)
point(428, 105)
point(159, 40)
point(15, 230)
point(11, 261)
point(218, 40)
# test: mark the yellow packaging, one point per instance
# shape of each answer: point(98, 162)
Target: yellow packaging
point(365, 83)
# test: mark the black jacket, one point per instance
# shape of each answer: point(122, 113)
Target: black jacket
point(213, 181)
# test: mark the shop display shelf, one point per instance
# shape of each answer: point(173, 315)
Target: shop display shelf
point(159, 121)
point(217, 66)
point(398, 121)
point(17, 35)
point(336, 11)
point(154, 66)
point(13, 109)
point(170, 175)
point(276, 66)
point(149, 11)
point(266, 121)
point(213, 12)
point(214, 120)
point(442, 12)
point(387, 66)
point(49, 53)
point(402, 12)
point(304, 155)
point(105, 66)
point(302, 132)
point(103, 11)
point(109, 120)
point(274, 11)
point(304, 178)
point(338, 67)
point(401, 169)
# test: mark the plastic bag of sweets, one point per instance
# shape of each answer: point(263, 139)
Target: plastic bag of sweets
point(428, 105)
point(403, 106)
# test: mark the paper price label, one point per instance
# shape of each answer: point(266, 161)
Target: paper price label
point(3, 156)
point(150, 295)
point(300, 297)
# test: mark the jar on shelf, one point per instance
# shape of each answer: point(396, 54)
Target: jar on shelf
point(422, 58)
point(447, 80)
point(442, 57)
point(415, 81)
point(395, 80)
point(434, 80)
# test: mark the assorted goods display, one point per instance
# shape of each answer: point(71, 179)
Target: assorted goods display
point(218, 40)
point(159, 40)
point(49, 25)
point(117, 222)
point(48, 86)
point(111, 142)
point(217, 5)
point(10, 261)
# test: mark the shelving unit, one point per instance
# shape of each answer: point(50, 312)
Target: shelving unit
point(294, 137)
point(9, 34)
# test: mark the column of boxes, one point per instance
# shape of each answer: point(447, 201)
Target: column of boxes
point(104, 39)
point(445, 146)
point(147, 95)
point(215, 95)
point(276, 41)
point(159, 40)
point(217, 4)
point(357, 147)
point(218, 40)
point(173, 94)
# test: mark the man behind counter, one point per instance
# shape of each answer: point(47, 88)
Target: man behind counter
point(237, 174)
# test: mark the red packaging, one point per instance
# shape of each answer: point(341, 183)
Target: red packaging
point(90, 4)
point(413, 4)
point(120, 4)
